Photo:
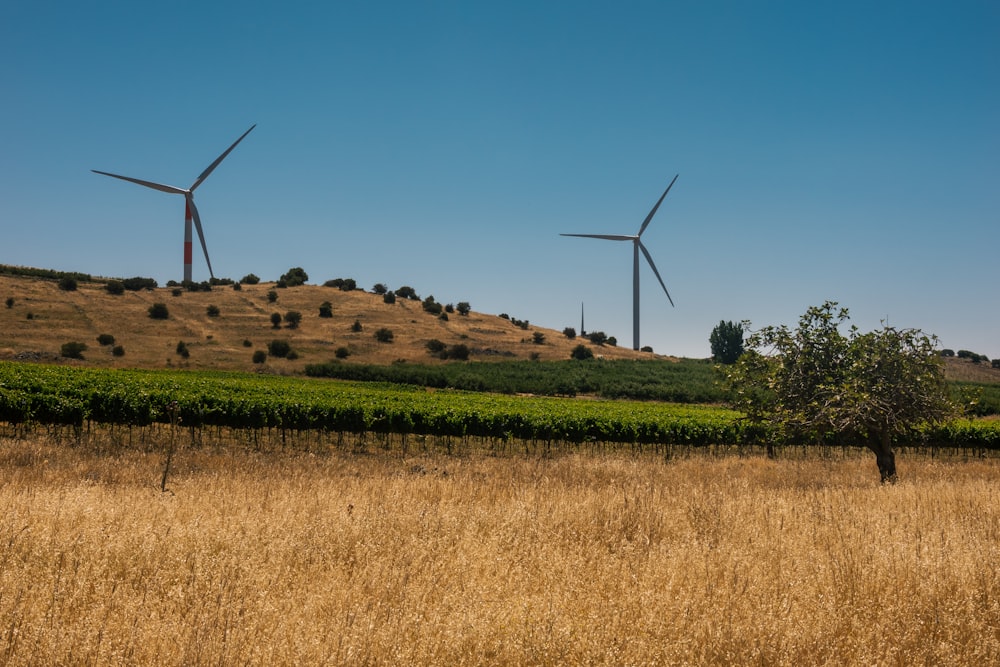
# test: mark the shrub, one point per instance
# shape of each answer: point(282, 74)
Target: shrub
point(356, 327)
point(947, 353)
point(296, 276)
point(292, 319)
point(177, 291)
point(272, 296)
point(389, 297)
point(384, 335)
point(247, 343)
point(182, 349)
point(115, 287)
point(342, 352)
point(458, 351)
point(443, 317)
point(432, 306)
point(73, 350)
point(463, 308)
point(326, 309)
point(569, 332)
point(212, 311)
point(348, 285)
point(275, 320)
point(259, 356)
point(105, 339)
point(10, 302)
point(646, 348)
point(581, 352)
point(538, 338)
point(379, 288)
point(137, 283)
point(449, 308)
point(118, 351)
point(237, 287)
point(407, 292)
point(292, 354)
point(250, 279)
point(612, 341)
point(67, 284)
point(597, 337)
point(279, 348)
point(434, 346)
point(158, 311)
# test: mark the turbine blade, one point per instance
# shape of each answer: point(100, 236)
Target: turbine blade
point(607, 237)
point(149, 184)
point(219, 159)
point(653, 266)
point(201, 233)
point(649, 217)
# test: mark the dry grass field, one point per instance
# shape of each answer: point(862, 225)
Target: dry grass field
point(43, 317)
point(328, 556)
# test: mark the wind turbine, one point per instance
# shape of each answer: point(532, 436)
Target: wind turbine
point(636, 247)
point(190, 210)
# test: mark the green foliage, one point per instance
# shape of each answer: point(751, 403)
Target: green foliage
point(73, 350)
point(182, 349)
point(384, 335)
point(237, 287)
point(247, 343)
point(538, 338)
point(434, 346)
point(597, 337)
point(293, 318)
point(458, 351)
point(814, 384)
point(379, 288)
point(118, 351)
point(463, 308)
point(326, 309)
point(10, 302)
point(275, 320)
point(159, 311)
point(138, 283)
point(947, 353)
point(342, 352)
point(48, 274)
point(250, 279)
point(569, 332)
point(279, 348)
point(105, 339)
point(356, 327)
point(177, 291)
point(389, 297)
point(259, 356)
point(432, 306)
point(212, 311)
point(581, 352)
point(407, 292)
point(646, 348)
point(726, 341)
point(272, 296)
point(296, 276)
point(115, 287)
point(68, 284)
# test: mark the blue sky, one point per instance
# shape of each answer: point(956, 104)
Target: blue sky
point(843, 151)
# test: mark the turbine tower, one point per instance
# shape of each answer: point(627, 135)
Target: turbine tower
point(190, 210)
point(636, 247)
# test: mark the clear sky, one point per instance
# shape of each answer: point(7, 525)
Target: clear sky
point(845, 151)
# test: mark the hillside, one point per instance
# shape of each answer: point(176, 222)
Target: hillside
point(41, 318)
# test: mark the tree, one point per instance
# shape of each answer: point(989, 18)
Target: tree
point(569, 332)
point(292, 319)
point(296, 276)
point(250, 279)
point(581, 352)
point(212, 311)
point(727, 342)
point(326, 309)
point(182, 349)
point(279, 348)
point(68, 284)
point(159, 311)
point(463, 307)
point(384, 335)
point(115, 287)
point(73, 350)
point(814, 383)
point(275, 320)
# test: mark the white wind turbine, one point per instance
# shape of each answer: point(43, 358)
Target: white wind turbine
point(636, 247)
point(190, 210)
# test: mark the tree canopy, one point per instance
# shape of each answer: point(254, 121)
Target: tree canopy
point(727, 342)
point(817, 384)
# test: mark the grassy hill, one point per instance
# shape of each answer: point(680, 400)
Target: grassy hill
point(40, 317)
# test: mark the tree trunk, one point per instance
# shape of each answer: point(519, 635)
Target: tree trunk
point(884, 456)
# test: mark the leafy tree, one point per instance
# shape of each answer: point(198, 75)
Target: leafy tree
point(384, 335)
point(139, 283)
point(182, 349)
point(158, 311)
point(538, 338)
point(815, 384)
point(434, 346)
point(296, 276)
point(727, 342)
point(292, 319)
point(279, 348)
point(115, 287)
point(326, 309)
point(646, 348)
point(379, 288)
point(259, 356)
point(356, 327)
point(569, 332)
point(275, 320)
point(407, 292)
point(73, 350)
point(250, 279)
point(947, 353)
point(612, 341)
point(389, 297)
point(463, 308)
point(459, 351)
point(581, 352)
point(118, 351)
point(105, 339)
point(10, 302)
point(272, 296)
point(432, 306)
point(342, 352)
point(68, 284)
point(598, 337)
point(212, 311)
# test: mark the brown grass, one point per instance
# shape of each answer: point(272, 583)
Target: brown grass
point(331, 557)
point(59, 317)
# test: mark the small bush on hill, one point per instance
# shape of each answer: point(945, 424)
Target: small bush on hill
point(342, 352)
point(384, 335)
point(182, 349)
point(247, 343)
point(597, 337)
point(158, 311)
point(73, 350)
point(279, 348)
point(212, 311)
point(138, 283)
point(115, 287)
point(407, 292)
point(356, 327)
point(105, 339)
point(389, 297)
point(275, 320)
point(581, 352)
point(538, 338)
point(459, 351)
point(569, 332)
point(434, 346)
point(10, 302)
point(68, 284)
point(250, 279)
point(272, 296)
point(177, 291)
point(326, 309)
point(296, 276)
point(292, 319)
point(118, 351)
point(379, 288)
point(463, 308)
point(259, 356)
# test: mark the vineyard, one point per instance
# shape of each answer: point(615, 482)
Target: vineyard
point(58, 395)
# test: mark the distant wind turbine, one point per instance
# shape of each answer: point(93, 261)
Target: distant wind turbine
point(636, 247)
point(190, 210)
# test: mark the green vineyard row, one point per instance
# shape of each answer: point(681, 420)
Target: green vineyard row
point(75, 396)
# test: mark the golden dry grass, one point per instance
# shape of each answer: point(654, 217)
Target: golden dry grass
point(58, 317)
point(333, 557)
